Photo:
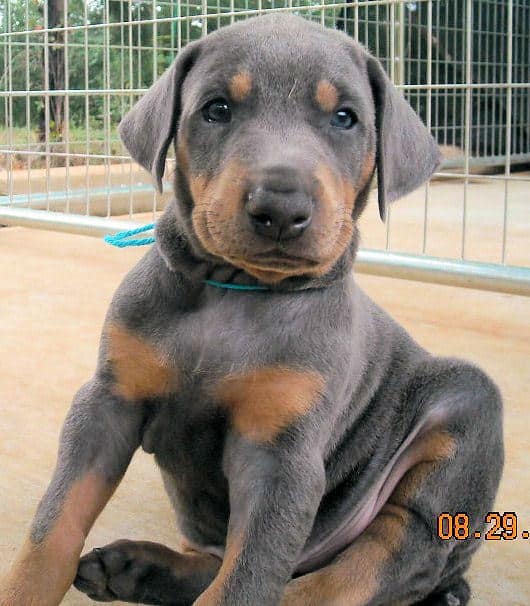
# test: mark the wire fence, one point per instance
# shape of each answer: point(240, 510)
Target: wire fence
point(69, 69)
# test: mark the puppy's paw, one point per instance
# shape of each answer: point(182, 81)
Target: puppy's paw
point(129, 571)
point(457, 594)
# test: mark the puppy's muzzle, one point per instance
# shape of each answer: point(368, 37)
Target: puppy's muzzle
point(279, 205)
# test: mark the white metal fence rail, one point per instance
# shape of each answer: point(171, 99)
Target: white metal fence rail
point(69, 69)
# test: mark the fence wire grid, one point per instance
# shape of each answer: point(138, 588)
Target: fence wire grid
point(69, 69)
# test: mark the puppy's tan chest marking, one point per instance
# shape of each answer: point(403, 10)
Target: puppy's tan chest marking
point(263, 402)
point(140, 370)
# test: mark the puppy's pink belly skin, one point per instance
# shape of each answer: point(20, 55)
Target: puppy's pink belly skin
point(407, 456)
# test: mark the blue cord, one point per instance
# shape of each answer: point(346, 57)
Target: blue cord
point(123, 239)
point(231, 286)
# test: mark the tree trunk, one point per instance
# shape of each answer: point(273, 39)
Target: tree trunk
point(56, 73)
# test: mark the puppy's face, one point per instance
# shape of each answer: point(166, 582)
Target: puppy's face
point(276, 141)
point(278, 124)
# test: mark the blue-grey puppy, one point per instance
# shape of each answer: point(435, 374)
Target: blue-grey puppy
point(307, 443)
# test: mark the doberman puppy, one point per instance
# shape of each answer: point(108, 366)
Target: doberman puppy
point(306, 442)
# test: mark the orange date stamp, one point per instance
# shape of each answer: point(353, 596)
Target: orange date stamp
point(500, 527)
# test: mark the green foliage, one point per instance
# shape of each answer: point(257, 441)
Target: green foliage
point(121, 57)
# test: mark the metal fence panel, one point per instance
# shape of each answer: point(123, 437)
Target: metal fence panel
point(69, 69)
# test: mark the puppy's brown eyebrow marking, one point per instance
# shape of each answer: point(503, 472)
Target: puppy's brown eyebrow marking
point(240, 85)
point(327, 96)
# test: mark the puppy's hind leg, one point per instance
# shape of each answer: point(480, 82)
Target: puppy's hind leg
point(146, 573)
point(400, 559)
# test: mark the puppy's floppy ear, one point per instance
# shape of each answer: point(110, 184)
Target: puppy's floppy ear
point(407, 154)
point(149, 127)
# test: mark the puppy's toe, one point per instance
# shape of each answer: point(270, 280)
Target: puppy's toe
point(114, 558)
point(458, 594)
point(91, 578)
point(452, 600)
point(110, 573)
point(127, 584)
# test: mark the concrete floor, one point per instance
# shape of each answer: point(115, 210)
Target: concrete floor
point(54, 290)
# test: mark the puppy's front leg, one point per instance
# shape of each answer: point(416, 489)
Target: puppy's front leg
point(276, 480)
point(99, 436)
point(274, 495)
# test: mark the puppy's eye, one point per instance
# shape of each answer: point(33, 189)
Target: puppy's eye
point(217, 110)
point(343, 118)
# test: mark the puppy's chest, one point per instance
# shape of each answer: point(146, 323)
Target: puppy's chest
point(170, 355)
point(217, 364)
point(186, 421)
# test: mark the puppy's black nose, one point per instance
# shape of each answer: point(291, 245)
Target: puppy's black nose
point(278, 207)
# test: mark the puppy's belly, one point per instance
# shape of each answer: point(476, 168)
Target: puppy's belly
point(414, 449)
point(205, 531)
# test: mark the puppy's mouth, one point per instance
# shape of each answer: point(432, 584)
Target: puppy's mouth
point(279, 258)
point(274, 266)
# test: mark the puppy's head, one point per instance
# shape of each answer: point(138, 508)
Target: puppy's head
point(278, 127)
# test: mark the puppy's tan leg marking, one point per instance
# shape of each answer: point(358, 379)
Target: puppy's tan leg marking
point(264, 401)
point(436, 446)
point(240, 86)
point(354, 577)
point(140, 371)
point(44, 571)
point(216, 590)
point(326, 96)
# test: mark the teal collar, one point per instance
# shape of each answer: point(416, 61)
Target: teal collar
point(124, 239)
point(230, 286)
